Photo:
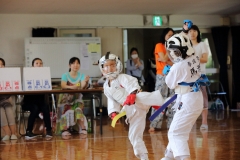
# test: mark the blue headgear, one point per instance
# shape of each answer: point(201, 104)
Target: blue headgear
point(189, 25)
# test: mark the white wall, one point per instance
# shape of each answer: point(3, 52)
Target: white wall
point(111, 40)
point(202, 21)
point(15, 27)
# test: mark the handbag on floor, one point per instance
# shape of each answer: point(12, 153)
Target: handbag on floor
point(217, 105)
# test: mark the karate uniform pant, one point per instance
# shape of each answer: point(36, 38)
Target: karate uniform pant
point(137, 123)
point(188, 108)
point(136, 115)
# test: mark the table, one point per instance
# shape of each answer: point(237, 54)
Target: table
point(92, 92)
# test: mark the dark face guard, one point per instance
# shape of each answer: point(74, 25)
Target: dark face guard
point(174, 55)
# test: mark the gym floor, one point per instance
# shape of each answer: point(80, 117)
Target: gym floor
point(221, 141)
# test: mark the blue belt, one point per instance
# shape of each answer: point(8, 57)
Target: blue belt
point(202, 81)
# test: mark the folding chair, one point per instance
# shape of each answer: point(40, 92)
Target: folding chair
point(54, 109)
point(95, 98)
point(218, 91)
point(21, 115)
point(18, 101)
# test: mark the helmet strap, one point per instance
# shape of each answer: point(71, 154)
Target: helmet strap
point(185, 31)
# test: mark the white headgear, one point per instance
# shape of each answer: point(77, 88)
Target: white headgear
point(179, 47)
point(110, 56)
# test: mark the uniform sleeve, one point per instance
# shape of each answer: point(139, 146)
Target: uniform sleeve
point(172, 78)
point(113, 106)
point(129, 83)
point(64, 77)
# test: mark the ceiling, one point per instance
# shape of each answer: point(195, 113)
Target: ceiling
point(136, 7)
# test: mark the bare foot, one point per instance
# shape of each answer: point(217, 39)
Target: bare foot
point(66, 133)
point(151, 130)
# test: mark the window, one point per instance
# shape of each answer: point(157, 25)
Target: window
point(125, 47)
point(212, 66)
point(210, 63)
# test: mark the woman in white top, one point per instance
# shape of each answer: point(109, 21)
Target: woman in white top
point(201, 50)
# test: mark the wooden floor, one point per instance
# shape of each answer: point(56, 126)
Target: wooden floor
point(222, 141)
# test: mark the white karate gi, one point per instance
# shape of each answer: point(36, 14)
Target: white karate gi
point(188, 105)
point(117, 93)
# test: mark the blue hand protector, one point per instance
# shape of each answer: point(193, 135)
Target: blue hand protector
point(189, 23)
point(166, 69)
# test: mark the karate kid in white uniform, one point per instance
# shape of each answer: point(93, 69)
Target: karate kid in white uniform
point(122, 89)
point(181, 77)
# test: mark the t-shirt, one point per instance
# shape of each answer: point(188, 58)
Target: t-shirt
point(159, 65)
point(199, 49)
point(73, 97)
point(71, 81)
point(187, 71)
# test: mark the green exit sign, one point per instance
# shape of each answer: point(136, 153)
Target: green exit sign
point(157, 21)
